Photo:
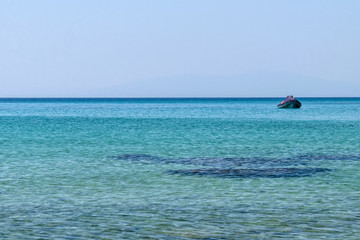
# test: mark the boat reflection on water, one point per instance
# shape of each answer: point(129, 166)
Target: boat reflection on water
point(289, 102)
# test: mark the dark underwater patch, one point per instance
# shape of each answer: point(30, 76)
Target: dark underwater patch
point(136, 157)
point(250, 162)
point(252, 173)
point(328, 157)
point(251, 167)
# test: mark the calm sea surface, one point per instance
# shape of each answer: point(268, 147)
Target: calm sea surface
point(179, 169)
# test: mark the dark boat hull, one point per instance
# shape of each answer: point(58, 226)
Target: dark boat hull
point(290, 104)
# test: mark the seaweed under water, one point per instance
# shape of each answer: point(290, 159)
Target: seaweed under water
point(263, 167)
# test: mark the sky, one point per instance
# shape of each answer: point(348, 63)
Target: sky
point(179, 48)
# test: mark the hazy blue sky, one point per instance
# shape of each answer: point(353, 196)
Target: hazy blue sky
point(179, 48)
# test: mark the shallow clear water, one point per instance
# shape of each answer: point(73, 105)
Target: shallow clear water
point(179, 169)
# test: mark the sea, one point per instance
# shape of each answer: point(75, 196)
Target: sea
point(179, 168)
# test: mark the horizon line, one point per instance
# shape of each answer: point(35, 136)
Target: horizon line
point(2, 98)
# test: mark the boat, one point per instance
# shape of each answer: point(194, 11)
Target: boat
point(289, 102)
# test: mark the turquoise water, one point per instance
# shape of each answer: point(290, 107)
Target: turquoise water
point(179, 169)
